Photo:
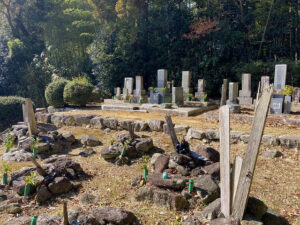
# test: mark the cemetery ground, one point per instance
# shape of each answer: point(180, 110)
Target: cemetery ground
point(276, 181)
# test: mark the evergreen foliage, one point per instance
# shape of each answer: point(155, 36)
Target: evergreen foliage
point(55, 93)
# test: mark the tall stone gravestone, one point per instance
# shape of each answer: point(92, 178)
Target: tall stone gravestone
point(186, 82)
point(295, 105)
point(29, 117)
point(224, 92)
point(280, 76)
point(177, 96)
point(245, 94)
point(118, 93)
point(232, 97)
point(201, 89)
point(162, 78)
point(139, 92)
point(162, 93)
point(128, 87)
point(265, 80)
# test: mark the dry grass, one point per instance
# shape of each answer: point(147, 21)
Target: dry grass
point(276, 181)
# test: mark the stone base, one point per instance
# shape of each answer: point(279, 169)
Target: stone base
point(233, 107)
point(117, 97)
point(245, 100)
point(198, 95)
point(295, 107)
point(243, 93)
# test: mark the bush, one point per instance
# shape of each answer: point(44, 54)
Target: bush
point(54, 93)
point(11, 108)
point(78, 93)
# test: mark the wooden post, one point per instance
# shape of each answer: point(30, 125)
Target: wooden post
point(225, 160)
point(29, 117)
point(131, 130)
point(236, 171)
point(172, 131)
point(39, 169)
point(224, 92)
point(257, 96)
point(65, 213)
point(251, 153)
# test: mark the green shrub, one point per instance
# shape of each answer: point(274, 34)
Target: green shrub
point(54, 93)
point(78, 93)
point(11, 108)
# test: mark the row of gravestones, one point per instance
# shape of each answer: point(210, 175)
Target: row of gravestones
point(280, 103)
point(165, 91)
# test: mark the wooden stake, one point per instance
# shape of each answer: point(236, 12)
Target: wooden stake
point(172, 131)
point(236, 171)
point(131, 130)
point(251, 153)
point(65, 212)
point(225, 160)
point(39, 169)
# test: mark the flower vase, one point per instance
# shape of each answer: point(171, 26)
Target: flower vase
point(191, 185)
point(34, 153)
point(145, 174)
point(4, 179)
point(123, 152)
point(7, 150)
point(26, 190)
point(34, 220)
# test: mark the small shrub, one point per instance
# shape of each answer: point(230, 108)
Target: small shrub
point(288, 90)
point(55, 93)
point(78, 93)
point(11, 108)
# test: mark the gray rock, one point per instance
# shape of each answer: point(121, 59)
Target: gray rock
point(87, 199)
point(87, 220)
point(161, 163)
point(43, 117)
point(140, 126)
point(251, 220)
point(191, 220)
point(82, 120)
point(156, 125)
point(180, 158)
point(61, 164)
point(212, 135)
point(60, 185)
point(69, 121)
point(19, 221)
point(11, 208)
point(175, 183)
point(224, 221)
point(245, 138)
point(25, 144)
point(271, 154)
point(213, 210)
point(195, 134)
point(289, 141)
point(46, 219)
point(182, 170)
point(235, 136)
point(18, 156)
point(271, 217)
point(114, 216)
point(69, 137)
point(256, 207)
point(136, 181)
point(57, 120)
point(207, 188)
point(110, 123)
point(269, 140)
point(42, 194)
point(97, 122)
point(89, 140)
point(110, 153)
point(145, 145)
point(213, 170)
point(208, 152)
point(43, 147)
point(87, 152)
point(124, 124)
point(172, 164)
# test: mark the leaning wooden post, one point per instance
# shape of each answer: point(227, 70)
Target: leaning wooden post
point(172, 130)
point(251, 153)
point(39, 169)
point(225, 160)
point(65, 213)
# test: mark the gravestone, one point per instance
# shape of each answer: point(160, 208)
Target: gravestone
point(155, 98)
point(139, 92)
point(118, 93)
point(201, 89)
point(280, 76)
point(177, 96)
point(296, 95)
point(29, 117)
point(224, 92)
point(232, 97)
point(128, 87)
point(265, 80)
point(287, 104)
point(162, 77)
point(245, 94)
point(276, 106)
point(186, 82)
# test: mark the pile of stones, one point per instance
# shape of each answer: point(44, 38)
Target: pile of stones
point(125, 149)
point(60, 175)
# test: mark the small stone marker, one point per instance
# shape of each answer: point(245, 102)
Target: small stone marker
point(118, 93)
point(265, 80)
point(128, 87)
point(296, 95)
point(177, 96)
point(245, 94)
point(139, 91)
point(201, 89)
point(232, 97)
point(162, 77)
point(280, 76)
point(277, 104)
point(186, 82)
point(29, 117)
point(287, 104)
point(224, 92)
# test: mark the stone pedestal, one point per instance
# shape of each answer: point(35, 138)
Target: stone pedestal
point(276, 106)
point(139, 92)
point(118, 94)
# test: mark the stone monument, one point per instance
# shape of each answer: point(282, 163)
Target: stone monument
point(232, 97)
point(139, 92)
point(201, 89)
point(276, 105)
point(265, 80)
point(245, 94)
point(118, 93)
point(186, 82)
point(224, 92)
point(162, 93)
point(295, 105)
point(280, 77)
point(128, 87)
point(177, 96)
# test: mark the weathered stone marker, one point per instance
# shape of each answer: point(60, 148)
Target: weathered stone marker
point(245, 94)
point(224, 92)
point(128, 87)
point(225, 160)
point(277, 104)
point(201, 89)
point(186, 82)
point(29, 117)
point(177, 96)
point(162, 77)
point(264, 80)
point(139, 92)
point(280, 76)
point(232, 97)
point(249, 162)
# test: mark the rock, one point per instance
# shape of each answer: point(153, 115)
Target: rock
point(195, 134)
point(145, 145)
point(269, 140)
point(61, 164)
point(163, 198)
point(97, 122)
point(110, 123)
point(82, 120)
point(87, 220)
point(13, 208)
point(25, 144)
point(256, 207)
point(110, 153)
point(250, 220)
point(271, 154)
point(136, 181)
point(19, 221)
point(180, 158)
point(89, 140)
point(42, 147)
point(131, 152)
point(140, 126)
point(154, 158)
point(87, 152)
point(245, 138)
point(156, 125)
point(69, 137)
point(69, 121)
point(235, 136)
point(213, 210)
point(196, 172)
point(60, 185)
point(182, 170)
point(18, 156)
point(213, 170)
point(114, 216)
point(179, 129)
point(209, 153)
point(43, 117)
point(3, 197)
point(124, 124)
point(207, 188)
point(42, 194)
point(271, 217)
point(172, 164)
point(87, 199)
point(57, 120)
point(191, 220)
point(212, 135)
point(161, 163)
point(289, 141)
point(46, 219)
point(224, 221)
point(175, 183)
